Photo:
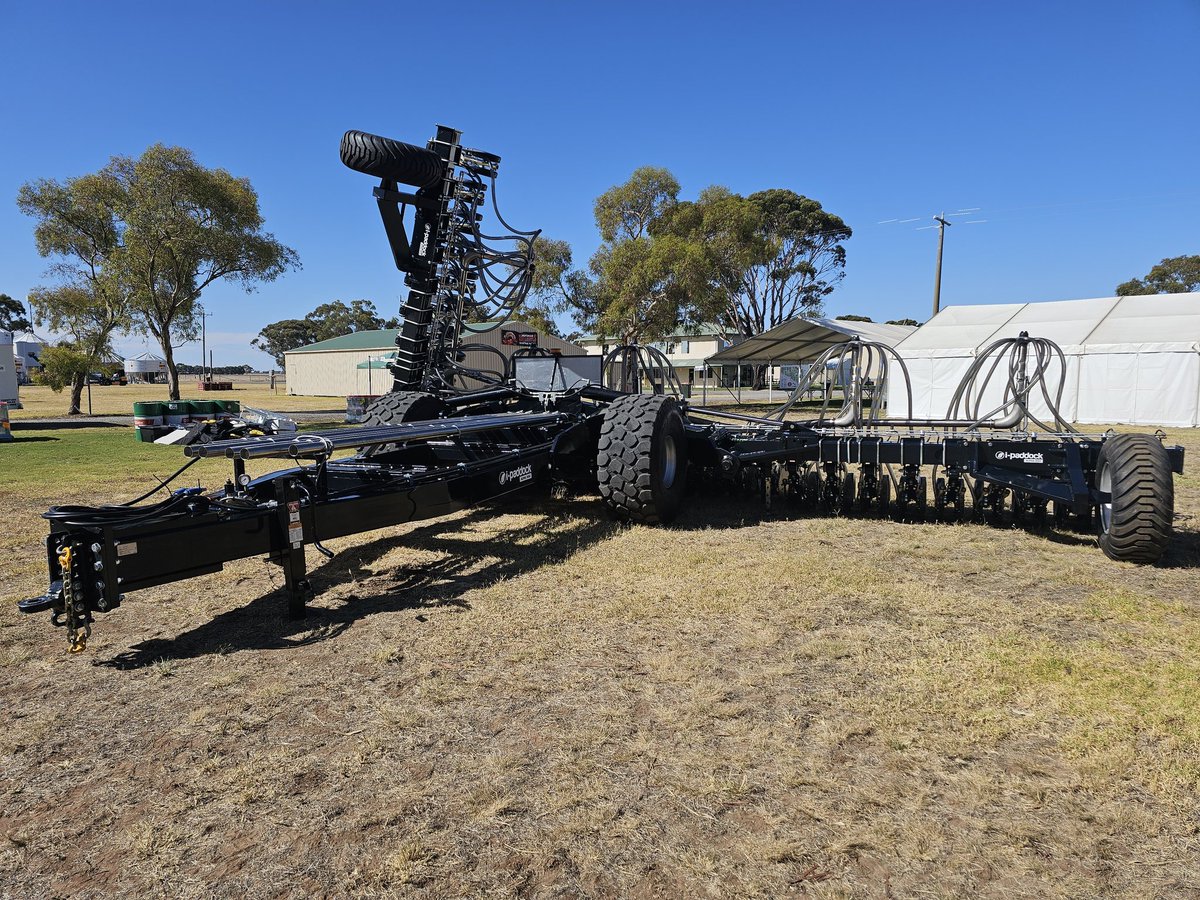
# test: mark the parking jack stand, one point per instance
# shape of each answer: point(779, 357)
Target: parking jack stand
point(291, 553)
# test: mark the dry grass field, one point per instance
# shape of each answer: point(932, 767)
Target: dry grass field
point(538, 702)
point(40, 402)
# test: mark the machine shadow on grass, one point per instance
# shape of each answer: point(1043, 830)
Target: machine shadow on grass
point(21, 426)
point(563, 530)
point(442, 582)
point(728, 510)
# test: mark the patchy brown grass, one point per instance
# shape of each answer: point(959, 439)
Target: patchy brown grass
point(38, 401)
point(538, 702)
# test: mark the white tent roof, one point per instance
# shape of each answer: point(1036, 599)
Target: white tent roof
point(1160, 320)
point(801, 339)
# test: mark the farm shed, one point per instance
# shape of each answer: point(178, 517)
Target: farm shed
point(1129, 360)
point(356, 363)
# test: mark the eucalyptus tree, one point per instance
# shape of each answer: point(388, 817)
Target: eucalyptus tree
point(158, 230)
point(79, 227)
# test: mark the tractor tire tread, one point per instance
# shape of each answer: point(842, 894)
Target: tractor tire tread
point(1143, 498)
point(394, 160)
point(623, 461)
point(398, 407)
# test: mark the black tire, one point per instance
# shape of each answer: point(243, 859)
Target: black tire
point(885, 495)
point(922, 504)
point(1018, 508)
point(978, 493)
point(939, 499)
point(397, 408)
point(641, 463)
point(394, 160)
point(865, 500)
point(846, 504)
point(812, 489)
point(1135, 523)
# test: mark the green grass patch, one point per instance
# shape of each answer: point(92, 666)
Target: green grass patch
point(107, 461)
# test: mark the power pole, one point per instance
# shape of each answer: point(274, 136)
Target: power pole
point(937, 281)
point(204, 339)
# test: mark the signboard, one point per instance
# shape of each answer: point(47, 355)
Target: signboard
point(356, 407)
point(510, 337)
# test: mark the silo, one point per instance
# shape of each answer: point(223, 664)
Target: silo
point(145, 367)
point(27, 349)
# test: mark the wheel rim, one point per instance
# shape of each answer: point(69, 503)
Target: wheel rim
point(670, 461)
point(1104, 485)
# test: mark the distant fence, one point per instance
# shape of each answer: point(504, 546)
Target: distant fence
point(254, 378)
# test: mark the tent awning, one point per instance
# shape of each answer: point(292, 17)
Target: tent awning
point(377, 363)
point(801, 339)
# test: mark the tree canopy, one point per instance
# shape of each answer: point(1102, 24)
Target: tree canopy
point(774, 255)
point(744, 263)
point(155, 232)
point(12, 315)
point(635, 287)
point(79, 226)
point(62, 365)
point(1174, 275)
point(329, 320)
point(90, 316)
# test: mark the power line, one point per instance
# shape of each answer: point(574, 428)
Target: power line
point(941, 224)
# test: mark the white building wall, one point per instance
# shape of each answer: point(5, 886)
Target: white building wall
point(8, 370)
point(335, 373)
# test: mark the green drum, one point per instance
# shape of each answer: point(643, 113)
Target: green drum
point(203, 409)
point(148, 412)
point(176, 411)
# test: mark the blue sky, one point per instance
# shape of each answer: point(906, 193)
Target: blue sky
point(1072, 126)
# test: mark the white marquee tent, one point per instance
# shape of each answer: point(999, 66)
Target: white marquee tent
point(1129, 360)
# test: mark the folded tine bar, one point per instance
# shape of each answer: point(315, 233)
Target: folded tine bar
point(320, 443)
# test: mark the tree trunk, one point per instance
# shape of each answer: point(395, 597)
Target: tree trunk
point(172, 372)
point(760, 377)
point(76, 393)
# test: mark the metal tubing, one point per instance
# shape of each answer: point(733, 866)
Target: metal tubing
point(320, 443)
point(721, 414)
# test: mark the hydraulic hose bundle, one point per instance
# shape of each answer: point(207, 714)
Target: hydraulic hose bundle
point(456, 273)
point(1013, 367)
point(1013, 356)
point(857, 359)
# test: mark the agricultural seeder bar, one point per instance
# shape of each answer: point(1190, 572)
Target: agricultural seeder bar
point(449, 436)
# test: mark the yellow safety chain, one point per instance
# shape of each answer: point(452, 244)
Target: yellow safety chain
point(76, 638)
